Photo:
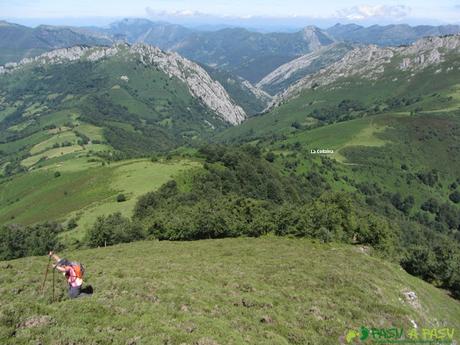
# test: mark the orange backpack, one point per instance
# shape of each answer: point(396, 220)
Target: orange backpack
point(78, 268)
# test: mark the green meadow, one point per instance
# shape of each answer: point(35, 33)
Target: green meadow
point(233, 291)
point(82, 192)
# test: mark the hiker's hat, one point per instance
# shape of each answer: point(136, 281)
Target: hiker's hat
point(63, 262)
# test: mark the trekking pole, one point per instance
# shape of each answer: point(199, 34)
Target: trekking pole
point(53, 283)
point(46, 274)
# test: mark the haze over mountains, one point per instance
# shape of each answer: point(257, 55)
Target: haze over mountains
point(250, 55)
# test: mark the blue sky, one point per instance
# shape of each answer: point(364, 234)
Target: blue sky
point(225, 11)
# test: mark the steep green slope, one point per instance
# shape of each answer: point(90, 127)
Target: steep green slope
point(83, 190)
point(394, 151)
point(135, 100)
point(237, 291)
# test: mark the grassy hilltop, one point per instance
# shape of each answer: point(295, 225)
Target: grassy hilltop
point(233, 291)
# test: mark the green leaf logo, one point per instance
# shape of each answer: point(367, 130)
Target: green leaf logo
point(364, 333)
point(352, 334)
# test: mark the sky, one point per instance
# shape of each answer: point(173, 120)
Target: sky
point(232, 12)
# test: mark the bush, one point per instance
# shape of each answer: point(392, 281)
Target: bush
point(72, 224)
point(113, 229)
point(403, 204)
point(224, 217)
point(57, 174)
point(121, 198)
point(455, 197)
point(296, 125)
point(18, 241)
point(270, 157)
point(431, 205)
point(429, 178)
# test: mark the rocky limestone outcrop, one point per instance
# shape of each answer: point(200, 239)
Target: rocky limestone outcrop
point(211, 93)
point(200, 84)
point(288, 71)
point(370, 62)
point(428, 51)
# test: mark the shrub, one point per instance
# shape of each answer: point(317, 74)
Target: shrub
point(121, 198)
point(113, 229)
point(455, 197)
point(57, 174)
point(431, 205)
point(72, 224)
point(296, 125)
point(429, 178)
point(270, 157)
point(18, 241)
point(403, 204)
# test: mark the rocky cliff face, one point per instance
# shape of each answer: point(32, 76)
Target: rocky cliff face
point(199, 83)
point(308, 64)
point(370, 62)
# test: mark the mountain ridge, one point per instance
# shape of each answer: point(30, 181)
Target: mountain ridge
point(249, 54)
point(197, 79)
point(18, 41)
point(308, 64)
point(370, 62)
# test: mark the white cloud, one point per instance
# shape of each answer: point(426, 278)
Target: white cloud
point(179, 13)
point(363, 12)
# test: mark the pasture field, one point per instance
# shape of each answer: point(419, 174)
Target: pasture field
point(82, 191)
point(234, 291)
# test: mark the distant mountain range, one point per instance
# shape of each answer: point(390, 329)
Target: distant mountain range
point(250, 55)
point(389, 35)
point(18, 42)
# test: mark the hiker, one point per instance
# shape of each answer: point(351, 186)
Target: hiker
point(73, 271)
